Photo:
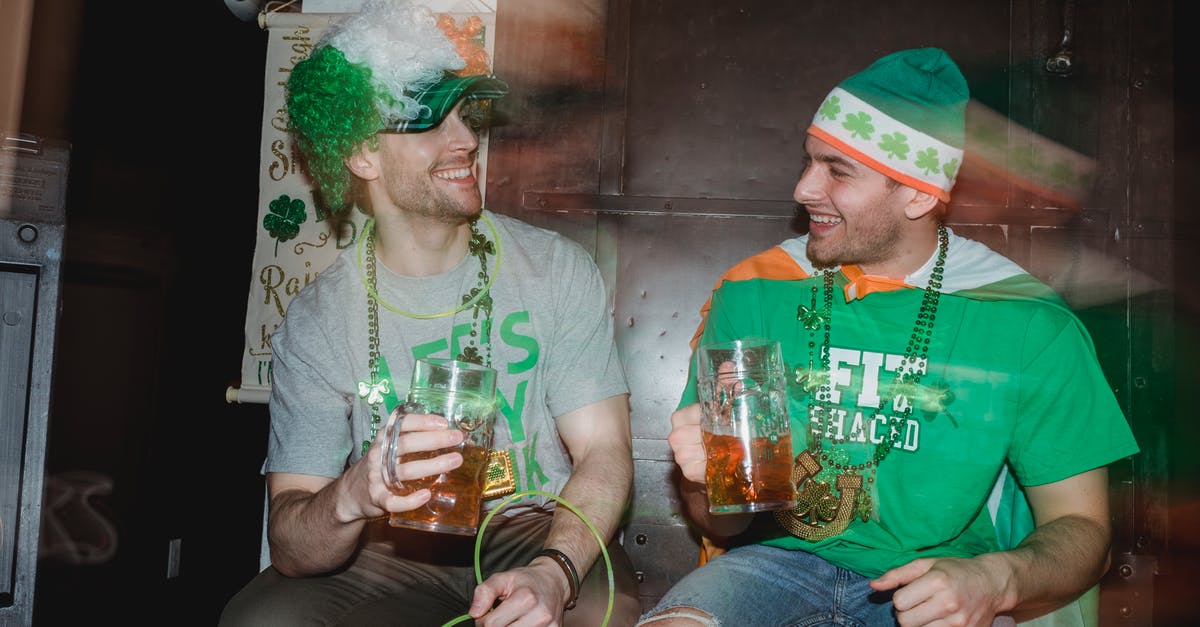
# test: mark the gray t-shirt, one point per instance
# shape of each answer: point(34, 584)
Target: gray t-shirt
point(551, 337)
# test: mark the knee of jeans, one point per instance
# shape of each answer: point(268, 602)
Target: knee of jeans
point(679, 617)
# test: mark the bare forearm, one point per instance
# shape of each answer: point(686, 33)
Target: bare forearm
point(600, 488)
point(306, 534)
point(1056, 563)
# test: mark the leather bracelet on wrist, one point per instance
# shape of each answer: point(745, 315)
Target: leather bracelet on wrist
point(568, 569)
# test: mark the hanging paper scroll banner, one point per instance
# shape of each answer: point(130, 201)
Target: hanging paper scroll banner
point(296, 240)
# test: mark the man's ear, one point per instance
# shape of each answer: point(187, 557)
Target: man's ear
point(920, 205)
point(364, 163)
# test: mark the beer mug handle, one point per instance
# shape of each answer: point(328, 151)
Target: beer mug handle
point(391, 439)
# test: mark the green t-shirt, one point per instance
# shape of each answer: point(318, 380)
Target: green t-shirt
point(1016, 381)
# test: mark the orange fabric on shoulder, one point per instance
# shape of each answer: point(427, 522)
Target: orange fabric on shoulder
point(773, 263)
point(859, 284)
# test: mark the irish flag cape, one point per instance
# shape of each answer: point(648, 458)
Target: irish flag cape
point(972, 271)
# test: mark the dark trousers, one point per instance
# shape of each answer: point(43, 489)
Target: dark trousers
point(428, 580)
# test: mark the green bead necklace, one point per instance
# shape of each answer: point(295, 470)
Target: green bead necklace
point(478, 299)
point(819, 515)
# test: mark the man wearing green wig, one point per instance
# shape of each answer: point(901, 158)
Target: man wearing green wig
point(922, 368)
point(386, 121)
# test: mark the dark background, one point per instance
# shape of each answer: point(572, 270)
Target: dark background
point(165, 107)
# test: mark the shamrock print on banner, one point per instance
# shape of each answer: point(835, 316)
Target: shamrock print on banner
point(284, 220)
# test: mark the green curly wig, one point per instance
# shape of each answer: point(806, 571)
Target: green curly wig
point(331, 104)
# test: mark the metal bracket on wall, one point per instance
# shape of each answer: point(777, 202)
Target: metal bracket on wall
point(622, 204)
point(33, 177)
point(1127, 596)
point(628, 205)
point(1062, 61)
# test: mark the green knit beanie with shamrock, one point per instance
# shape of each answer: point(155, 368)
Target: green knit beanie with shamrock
point(902, 116)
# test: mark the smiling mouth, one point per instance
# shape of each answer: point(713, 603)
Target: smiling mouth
point(454, 174)
point(822, 219)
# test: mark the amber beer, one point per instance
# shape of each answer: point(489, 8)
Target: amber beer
point(748, 474)
point(457, 495)
point(465, 394)
point(746, 429)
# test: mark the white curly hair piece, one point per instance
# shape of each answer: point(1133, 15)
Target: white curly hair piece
point(403, 47)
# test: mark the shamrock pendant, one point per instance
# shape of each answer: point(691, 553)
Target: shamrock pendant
point(811, 317)
point(374, 390)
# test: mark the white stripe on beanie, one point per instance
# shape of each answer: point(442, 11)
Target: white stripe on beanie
point(892, 144)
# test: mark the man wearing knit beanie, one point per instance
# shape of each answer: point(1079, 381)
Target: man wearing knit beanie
point(386, 110)
point(928, 377)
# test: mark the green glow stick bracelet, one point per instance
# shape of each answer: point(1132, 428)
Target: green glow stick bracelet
point(590, 526)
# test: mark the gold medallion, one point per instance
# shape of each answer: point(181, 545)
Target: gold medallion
point(499, 479)
point(818, 514)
